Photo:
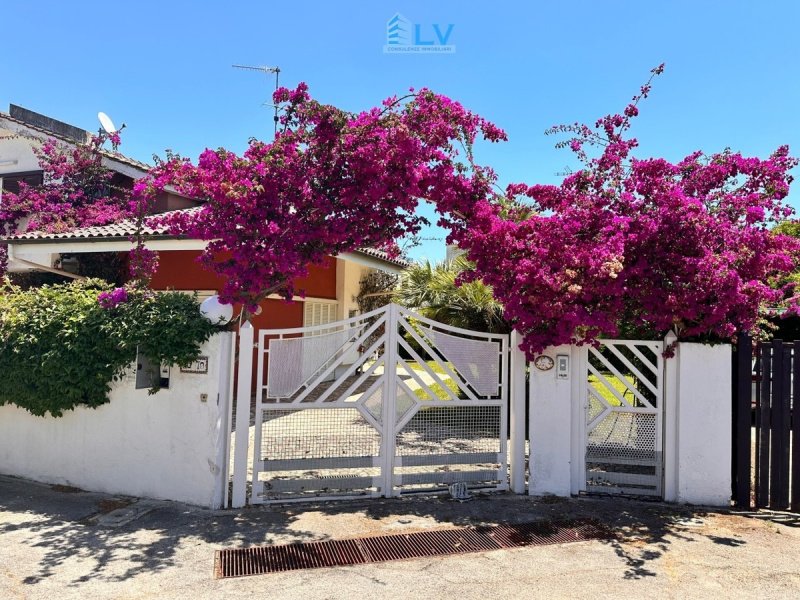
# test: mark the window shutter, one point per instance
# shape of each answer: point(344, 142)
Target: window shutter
point(319, 313)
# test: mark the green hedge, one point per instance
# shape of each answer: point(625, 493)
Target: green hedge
point(60, 349)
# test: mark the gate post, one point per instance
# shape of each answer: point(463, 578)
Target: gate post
point(742, 410)
point(669, 441)
point(517, 403)
point(244, 392)
point(389, 399)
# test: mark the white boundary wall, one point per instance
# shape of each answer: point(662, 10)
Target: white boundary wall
point(170, 445)
point(698, 467)
point(697, 426)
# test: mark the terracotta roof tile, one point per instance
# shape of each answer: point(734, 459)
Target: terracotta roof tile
point(127, 228)
point(122, 229)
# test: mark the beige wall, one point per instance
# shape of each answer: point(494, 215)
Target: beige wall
point(348, 279)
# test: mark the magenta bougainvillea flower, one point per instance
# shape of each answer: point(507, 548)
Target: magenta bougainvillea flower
point(644, 242)
point(641, 242)
point(113, 298)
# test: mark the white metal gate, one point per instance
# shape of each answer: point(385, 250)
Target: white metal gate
point(622, 386)
point(381, 404)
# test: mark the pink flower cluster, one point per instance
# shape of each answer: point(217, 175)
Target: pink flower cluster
point(142, 263)
point(640, 243)
point(112, 299)
point(77, 192)
point(331, 182)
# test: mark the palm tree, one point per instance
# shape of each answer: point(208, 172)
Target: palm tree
point(432, 290)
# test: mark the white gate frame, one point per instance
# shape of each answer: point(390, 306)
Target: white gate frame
point(392, 316)
point(581, 406)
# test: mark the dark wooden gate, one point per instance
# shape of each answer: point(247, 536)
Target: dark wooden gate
point(766, 424)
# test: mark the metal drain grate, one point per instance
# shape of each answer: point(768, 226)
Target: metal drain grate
point(401, 546)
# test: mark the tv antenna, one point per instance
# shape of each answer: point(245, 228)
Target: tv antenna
point(267, 71)
point(565, 173)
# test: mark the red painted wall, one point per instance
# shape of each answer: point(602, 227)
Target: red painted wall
point(179, 270)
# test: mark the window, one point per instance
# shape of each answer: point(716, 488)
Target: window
point(319, 313)
point(11, 181)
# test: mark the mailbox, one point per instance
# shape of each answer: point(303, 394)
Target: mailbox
point(150, 374)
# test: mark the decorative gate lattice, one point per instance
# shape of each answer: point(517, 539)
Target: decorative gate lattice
point(385, 403)
point(624, 403)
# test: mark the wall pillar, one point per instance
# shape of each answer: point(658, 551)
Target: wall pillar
point(551, 426)
point(244, 393)
point(517, 414)
point(703, 446)
point(669, 443)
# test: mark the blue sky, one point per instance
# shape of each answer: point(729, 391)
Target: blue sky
point(164, 68)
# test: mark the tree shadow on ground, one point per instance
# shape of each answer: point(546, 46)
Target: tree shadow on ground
point(68, 526)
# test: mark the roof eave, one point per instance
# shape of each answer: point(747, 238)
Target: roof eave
point(167, 242)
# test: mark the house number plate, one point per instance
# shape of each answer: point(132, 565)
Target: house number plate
point(199, 366)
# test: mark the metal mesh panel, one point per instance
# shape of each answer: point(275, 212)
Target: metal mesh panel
point(623, 435)
point(315, 452)
point(317, 433)
point(374, 404)
point(402, 404)
point(477, 361)
point(594, 409)
point(443, 445)
point(292, 361)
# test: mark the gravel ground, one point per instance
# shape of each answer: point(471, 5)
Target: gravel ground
point(64, 543)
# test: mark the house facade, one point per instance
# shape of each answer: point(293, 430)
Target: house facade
point(329, 289)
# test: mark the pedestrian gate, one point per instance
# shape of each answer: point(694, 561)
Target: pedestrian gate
point(622, 385)
point(381, 404)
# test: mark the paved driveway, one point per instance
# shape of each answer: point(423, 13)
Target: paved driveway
point(61, 543)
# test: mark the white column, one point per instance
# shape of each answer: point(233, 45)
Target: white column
point(244, 393)
point(704, 424)
point(669, 443)
point(224, 406)
point(389, 400)
point(550, 427)
point(517, 414)
point(579, 405)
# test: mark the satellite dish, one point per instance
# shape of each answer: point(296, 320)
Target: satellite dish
point(106, 123)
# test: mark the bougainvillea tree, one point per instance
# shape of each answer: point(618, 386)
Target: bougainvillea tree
point(648, 243)
point(330, 182)
point(644, 242)
point(77, 191)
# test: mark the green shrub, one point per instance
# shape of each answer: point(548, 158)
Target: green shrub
point(60, 349)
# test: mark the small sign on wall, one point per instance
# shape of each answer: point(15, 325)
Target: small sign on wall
point(562, 366)
point(199, 366)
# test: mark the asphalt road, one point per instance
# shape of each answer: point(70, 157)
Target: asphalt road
point(62, 543)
